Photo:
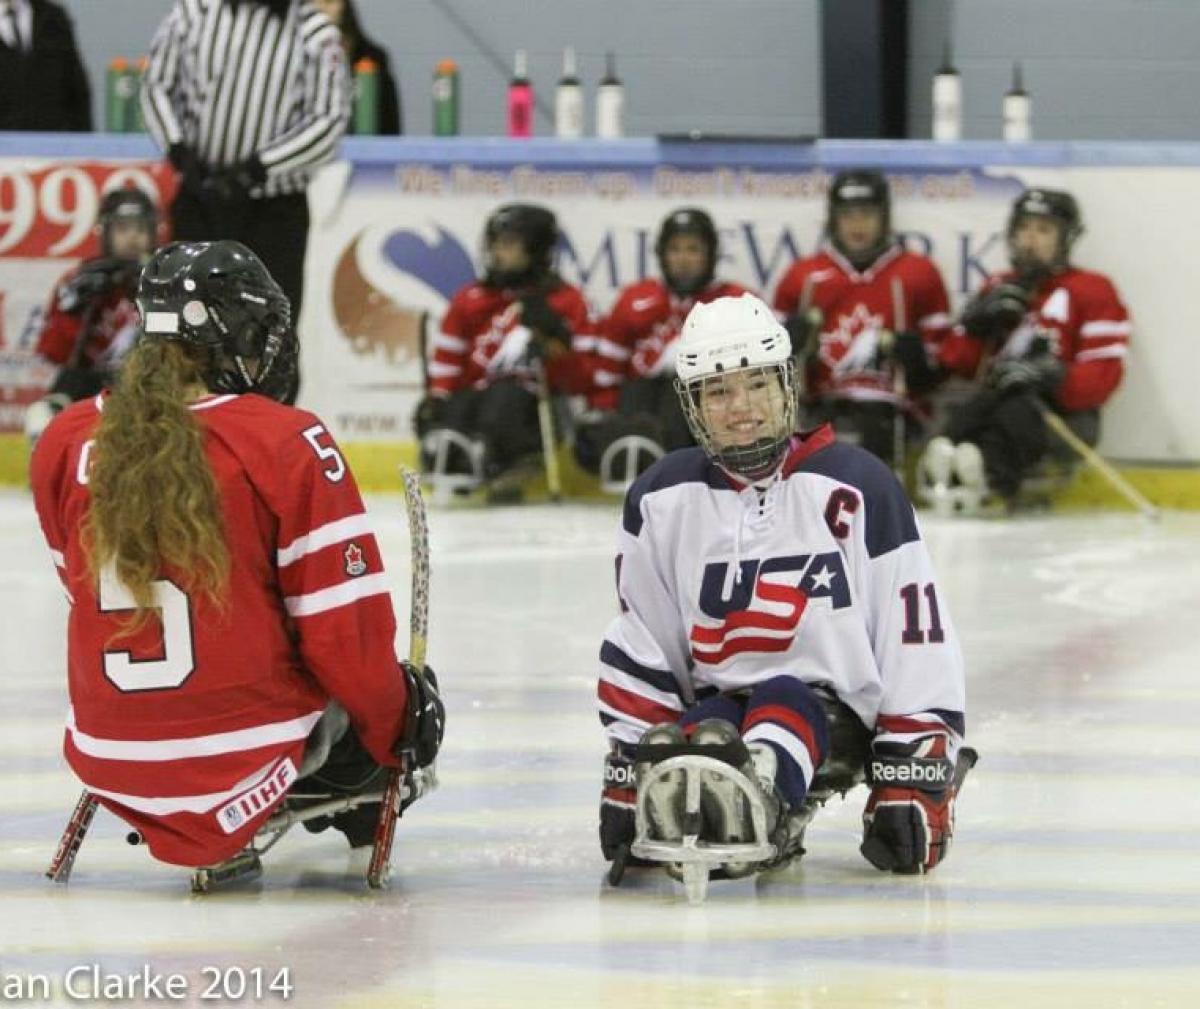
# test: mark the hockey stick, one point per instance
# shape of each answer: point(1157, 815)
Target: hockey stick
point(546, 426)
point(389, 809)
point(899, 382)
point(1093, 458)
point(72, 838)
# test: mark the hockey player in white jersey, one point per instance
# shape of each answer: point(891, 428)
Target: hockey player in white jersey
point(778, 612)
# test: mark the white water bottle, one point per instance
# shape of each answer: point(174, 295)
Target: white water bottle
point(610, 103)
point(1018, 110)
point(947, 101)
point(568, 100)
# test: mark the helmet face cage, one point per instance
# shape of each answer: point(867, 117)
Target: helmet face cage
point(688, 221)
point(537, 229)
point(858, 188)
point(757, 459)
point(1055, 204)
point(218, 296)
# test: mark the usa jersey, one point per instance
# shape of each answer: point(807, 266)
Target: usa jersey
point(822, 576)
point(1079, 317)
point(193, 729)
point(476, 325)
point(900, 291)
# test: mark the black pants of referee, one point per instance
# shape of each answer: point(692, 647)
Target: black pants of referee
point(275, 228)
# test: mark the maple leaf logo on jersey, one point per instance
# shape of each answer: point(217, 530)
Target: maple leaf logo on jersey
point(355, 565)
point(757, 607)
point(853, 344)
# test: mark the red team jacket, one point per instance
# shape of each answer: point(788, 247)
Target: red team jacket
point(1081, 315)
point(642, 325)
point(476, 324)
point(192, 730)
point(114, 321)
point(902, 291)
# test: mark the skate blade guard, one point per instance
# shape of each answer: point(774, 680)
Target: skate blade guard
point(691, 858)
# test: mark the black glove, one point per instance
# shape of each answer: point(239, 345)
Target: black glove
point(429, 415)
point(995, 312)
point(803, 329)
point(618, 800)
point(908, 350)
point(230, 185)
point(551, 332)
point(95, 278)
point(188, 164)
point(425, 723)
point(1041, 375)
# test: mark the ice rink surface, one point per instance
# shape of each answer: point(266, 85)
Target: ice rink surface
point(1074, 879)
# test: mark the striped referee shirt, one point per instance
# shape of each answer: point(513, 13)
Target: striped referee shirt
point(232, 79)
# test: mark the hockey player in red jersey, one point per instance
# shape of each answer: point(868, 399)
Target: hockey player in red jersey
point(91, 319)
point(498, 334)
point(855, 307)
point(779, 613)
point(1045, 334)
point(634, 355)
point(227, 593)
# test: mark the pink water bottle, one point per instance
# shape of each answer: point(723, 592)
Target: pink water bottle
point(520, 99)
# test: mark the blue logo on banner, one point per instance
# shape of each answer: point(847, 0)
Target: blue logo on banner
point(443, 265)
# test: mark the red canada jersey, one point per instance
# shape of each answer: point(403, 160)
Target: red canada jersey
point(467, 353)
point(193, 728)
point(900, 292)
point(637, 339)
point(1081, 318)
point(114, 323)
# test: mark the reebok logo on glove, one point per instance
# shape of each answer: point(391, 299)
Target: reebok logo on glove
point(618, 775)
point(911, 772)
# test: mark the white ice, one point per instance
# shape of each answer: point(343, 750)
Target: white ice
point(1074, 878)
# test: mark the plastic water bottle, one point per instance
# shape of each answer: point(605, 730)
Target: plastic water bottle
point(120, 94)
point(568, 100)
point(947, 100)
point(610, 102)
point(1017, 110)
point(366, 97)
point(445, 99)
point(520, 99)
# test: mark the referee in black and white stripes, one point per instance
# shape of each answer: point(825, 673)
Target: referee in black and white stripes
point(248, 98)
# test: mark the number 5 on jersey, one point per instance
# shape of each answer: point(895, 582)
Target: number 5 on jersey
point(313, 435)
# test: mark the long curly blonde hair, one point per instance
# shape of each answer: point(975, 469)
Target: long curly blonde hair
point(154, 500)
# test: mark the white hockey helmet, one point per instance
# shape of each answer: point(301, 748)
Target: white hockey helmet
point(737, 337)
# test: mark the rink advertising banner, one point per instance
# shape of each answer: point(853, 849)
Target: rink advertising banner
point(47, 224)
point(400, 239)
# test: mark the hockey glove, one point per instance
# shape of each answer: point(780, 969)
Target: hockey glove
point(618, 800)
point(539, 316)
point(95, 278)
point(425, 723)
point(1040, 375)
point(995, 312)
point(191, 170)
point(430, 414)
point(909, 817)
point(230, 185)
point(908, 350)
point(803, 329)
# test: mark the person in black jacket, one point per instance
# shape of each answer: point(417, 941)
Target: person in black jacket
point(43, 85)
point(359, 46)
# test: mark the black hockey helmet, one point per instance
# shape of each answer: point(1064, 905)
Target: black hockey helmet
point(688, 221)
point(127, 204)
point(218, 296)
point(1055, 204)
point(858, 187)
point(537, 229)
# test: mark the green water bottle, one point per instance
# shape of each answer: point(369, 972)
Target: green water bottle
point(445, 99)
point(366, 97)
point(120, 92)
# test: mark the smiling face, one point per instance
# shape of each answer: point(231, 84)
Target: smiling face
point(741, 408)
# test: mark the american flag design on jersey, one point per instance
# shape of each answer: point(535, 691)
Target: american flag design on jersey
point(726, 588)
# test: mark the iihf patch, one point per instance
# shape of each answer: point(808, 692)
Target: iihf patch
point(355, 565)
